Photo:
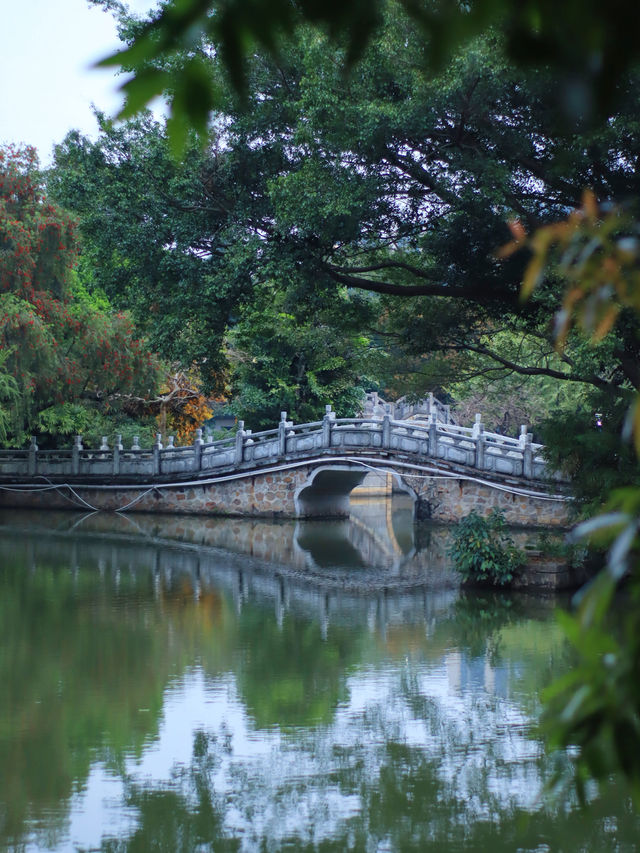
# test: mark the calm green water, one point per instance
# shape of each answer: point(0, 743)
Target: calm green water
point(181, 685)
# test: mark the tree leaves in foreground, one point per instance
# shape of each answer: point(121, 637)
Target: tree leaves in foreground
point(597, 706)
point(590, 45)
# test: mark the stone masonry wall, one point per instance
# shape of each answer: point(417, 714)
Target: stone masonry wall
point(260, 495)
point(452, 499)
point(274, 495)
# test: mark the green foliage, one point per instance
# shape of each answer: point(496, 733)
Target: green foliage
point(9, 397)
point(596, 706)
point(59, 343)
point(287, 358)
point(507, 398)
point(388, 181)
point(163, 240)
point(588, 44)
point(588, 449)
point(559, 546)
point(58, 424)
point(482, 550)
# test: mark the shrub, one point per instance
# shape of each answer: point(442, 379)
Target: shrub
point(482, 550)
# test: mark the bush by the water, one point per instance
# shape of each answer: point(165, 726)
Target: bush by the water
point(482, 550)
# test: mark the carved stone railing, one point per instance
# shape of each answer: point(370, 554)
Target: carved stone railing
point(471, 447)
point(375, 407)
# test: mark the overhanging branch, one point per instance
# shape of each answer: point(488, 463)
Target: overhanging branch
point(393, 289)
point(525, 370)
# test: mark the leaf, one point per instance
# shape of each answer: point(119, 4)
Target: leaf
point(141, 89)
point(590, 204)
point(598, 524)
point(508, 249)
point(177, 132)
point(533, 276)
point(617, 563)
point(142, 50)
point(570, 626)
point(607, 321)
point(560, 685)
point(576, 702)
point(517, 229)
point(198, 95)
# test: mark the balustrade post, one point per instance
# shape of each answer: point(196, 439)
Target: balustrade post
point(447, 414)
point(522, 438)
point(75, 455)
point(197, 450)
point(478, 426)
point(32, 462)
point(157, 447)
point(433, 435)
point(239, 443)
point(478, 435)
point(431, 404)
point(527, 457)
point(329, 417)
point(386, 432)
point(374, 407)
point(117, 447)
point(282, 434)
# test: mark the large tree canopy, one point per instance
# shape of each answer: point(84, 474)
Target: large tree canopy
point(386, 181)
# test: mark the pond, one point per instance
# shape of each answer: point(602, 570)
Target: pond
point(190, 684)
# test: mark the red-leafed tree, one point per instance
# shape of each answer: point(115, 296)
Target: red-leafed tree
point(70, 356)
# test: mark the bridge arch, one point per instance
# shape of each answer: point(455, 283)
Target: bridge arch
point(328, 487)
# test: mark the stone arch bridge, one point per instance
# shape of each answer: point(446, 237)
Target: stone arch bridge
point(297, 470)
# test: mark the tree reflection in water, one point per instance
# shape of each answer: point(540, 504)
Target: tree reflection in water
point(214, 709)
point(388, 796)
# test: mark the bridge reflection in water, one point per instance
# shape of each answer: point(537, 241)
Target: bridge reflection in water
point(304, 565)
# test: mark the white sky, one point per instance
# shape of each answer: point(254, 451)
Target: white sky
point(47, 86)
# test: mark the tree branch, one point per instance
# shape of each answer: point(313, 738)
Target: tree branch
point(593, 379)
point(392, 289)
point(414, 170)
point(401, 265)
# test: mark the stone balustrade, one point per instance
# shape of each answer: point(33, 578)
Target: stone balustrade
point(434, 440)
point(375, 407)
